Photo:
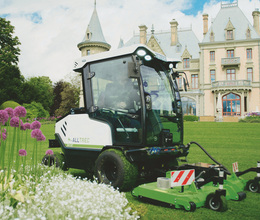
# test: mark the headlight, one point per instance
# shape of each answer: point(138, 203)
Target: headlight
point(141, 53)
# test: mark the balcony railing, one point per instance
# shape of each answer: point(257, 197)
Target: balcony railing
point(231, 84)
point(230, 61)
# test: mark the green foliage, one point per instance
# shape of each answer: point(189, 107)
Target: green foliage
point(69, 98)
point(11, 82)
point(251, 119)
point(38, 89)
point(10, 77)
point(9, 104)
point(35, 110)
point(8, 44)
point(57, 89)
point(190, 118)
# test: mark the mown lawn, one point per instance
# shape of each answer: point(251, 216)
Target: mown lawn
point(226, 142)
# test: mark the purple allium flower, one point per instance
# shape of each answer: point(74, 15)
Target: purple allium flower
point(3, 134)
point(20, 111)
point(10, 112)
point(3, 117)
point(36, 133)
point(49, 152)
point(36, 125)
point(22, 127)
point(27, 126)
point(22, 152)
point(41, 138)
point(14, 122)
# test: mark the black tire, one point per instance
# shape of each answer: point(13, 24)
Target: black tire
point(216, 203)
point(253, 186)
point(56, 159)
point(192, 206)
point(241, 196)
point(113, 168)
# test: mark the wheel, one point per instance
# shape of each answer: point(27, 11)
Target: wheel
point(253, 186)
point(57, 159)
point(192, 206)
point(216, 203)
point(113, 168)
point(241, 196)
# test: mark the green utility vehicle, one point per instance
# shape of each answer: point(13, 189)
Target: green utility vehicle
point(131, 129)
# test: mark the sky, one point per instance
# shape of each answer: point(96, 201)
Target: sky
point(50, 30)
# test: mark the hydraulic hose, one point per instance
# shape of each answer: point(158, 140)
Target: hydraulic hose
point(193, 142)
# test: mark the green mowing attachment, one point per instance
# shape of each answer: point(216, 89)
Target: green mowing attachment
point(213, 194)
point(211, 188)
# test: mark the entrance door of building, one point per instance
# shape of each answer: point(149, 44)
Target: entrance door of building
point(231, 105)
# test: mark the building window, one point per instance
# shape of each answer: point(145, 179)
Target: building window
point(88, 52)
point(194, 81)
point(250, 74)
point(249, 53)
point(231, 104)
point(212, 75)
point(245, 104)
point(230, 35)
point(231, 74)
point(186, 63)
point(230, 53)
point(212, 56)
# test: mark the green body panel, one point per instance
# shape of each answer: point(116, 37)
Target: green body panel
point(233, 186)
point(175, 196)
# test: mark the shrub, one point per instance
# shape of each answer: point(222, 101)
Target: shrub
point(9, 104)
point(253, 117)
point(35, 110)
point(190, 118)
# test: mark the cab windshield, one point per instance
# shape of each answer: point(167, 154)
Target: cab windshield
point(162, 115)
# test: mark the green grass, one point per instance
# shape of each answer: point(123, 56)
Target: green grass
point(226, 142)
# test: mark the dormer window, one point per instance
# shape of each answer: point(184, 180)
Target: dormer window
point(230, 29)
point(230, 35)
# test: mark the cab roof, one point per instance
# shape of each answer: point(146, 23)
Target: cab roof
point(81, 62)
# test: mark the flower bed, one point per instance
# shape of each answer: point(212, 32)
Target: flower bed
point(61, 196)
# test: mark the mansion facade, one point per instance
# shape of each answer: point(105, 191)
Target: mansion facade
point(223, 69)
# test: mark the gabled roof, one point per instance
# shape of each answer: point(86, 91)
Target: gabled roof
point(94, 31)
point(228, 16)
point(186, 39)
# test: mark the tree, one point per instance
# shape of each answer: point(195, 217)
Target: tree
point(69, 99)
point(57, 89)
point(9, 50)
point(10, 77)
point(38, 89)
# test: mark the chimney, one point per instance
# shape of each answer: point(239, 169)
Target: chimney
point(256, 14)
point(174, 33)
point(143, 29)
point(205, 23)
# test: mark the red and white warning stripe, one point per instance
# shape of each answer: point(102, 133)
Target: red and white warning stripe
point(235, 167)
point(182, 177)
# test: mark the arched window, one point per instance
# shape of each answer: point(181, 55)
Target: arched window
point(231, 105)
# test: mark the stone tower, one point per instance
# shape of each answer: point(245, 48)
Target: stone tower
point(92, 43)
